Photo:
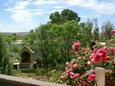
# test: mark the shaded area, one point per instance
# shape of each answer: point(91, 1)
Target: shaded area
point(26, 57)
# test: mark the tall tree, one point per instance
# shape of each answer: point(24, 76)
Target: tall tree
point(52, 41)
point(87, 28)
point(64, 16)
point(106, 30)
point(96, 30)
point(56, 18)
point(69, 15)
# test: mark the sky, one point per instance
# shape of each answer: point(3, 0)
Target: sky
point(24, 15)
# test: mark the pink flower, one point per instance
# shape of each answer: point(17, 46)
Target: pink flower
point(68, 65)
point(75, 66)
point(113, 31)
point(108, 58)
point(113, 63)
point(113, 51)
point(102, 52)
point(77, 75)
point(104, 59)
point(76, 46)
point(99, 54)
point(69, 70)
point(95, 59)
point(95, 50)
point(72, 75)
point(91, 77)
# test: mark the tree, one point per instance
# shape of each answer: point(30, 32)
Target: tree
point(106, 31)
point(86, 33)
point(64, 16)
point(5, 66)
point(96, 31)
point(10, 38)
point(69, 15)
point(56, 18)
point(52, 41)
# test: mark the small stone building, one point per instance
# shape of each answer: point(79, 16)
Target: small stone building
point(26, 58)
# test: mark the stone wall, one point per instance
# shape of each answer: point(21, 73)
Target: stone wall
point(6, 80)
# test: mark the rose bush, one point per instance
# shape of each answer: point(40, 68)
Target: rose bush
point(84, 60)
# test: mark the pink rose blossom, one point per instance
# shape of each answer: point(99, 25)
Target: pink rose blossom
point(75, 66)
point(69, 70)
point(77, 75)
point(99, 55)
point(104, 59)
point(95, 59)
point(72, 75)
point(91, 77)
point(76, 46)
point(68, 65)
point(113, 51)
point(113, 31)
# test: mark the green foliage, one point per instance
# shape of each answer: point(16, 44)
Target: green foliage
point(41, 71)
point(64, 16)
point(52, 42)
point(106, 31)
point(86, 33)
point(5, 65)
point(96, 31)
point(51, 75)
point(10, 38)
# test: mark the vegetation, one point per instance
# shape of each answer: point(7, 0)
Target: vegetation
point(81, 69)
point(51, 43)
point(5, 65)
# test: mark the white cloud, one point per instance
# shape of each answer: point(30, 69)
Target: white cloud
point(59, 7)
point(19, 13)
point(39, 13)
point(90, 16)
point(102, 7)
point(42, 2)
point(21, 5)
point(55, 10)
point(22, 16)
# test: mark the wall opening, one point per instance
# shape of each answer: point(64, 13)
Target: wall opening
point(25, 57)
